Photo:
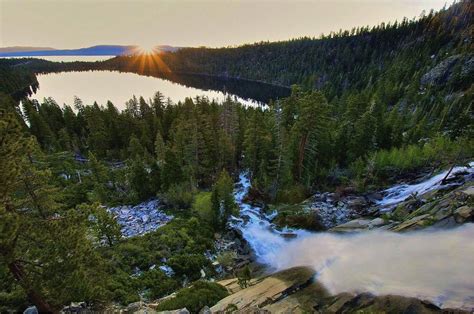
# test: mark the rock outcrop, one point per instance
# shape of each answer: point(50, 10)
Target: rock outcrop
point(444, 71)
point(296, 290)
point(440, 209)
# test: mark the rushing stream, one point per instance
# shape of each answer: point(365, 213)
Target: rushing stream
point(433, 265)
point(399, 193)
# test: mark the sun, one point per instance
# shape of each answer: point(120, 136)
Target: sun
point(147, 49)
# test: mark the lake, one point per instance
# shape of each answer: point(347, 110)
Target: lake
point(102, 86)
point(119, 87)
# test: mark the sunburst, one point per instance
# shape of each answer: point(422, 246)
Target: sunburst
point(147, 49)
point(145, 59)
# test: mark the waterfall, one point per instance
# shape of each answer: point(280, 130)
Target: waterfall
point(432, 265)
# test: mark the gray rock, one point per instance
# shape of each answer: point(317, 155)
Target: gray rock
point(205, 310)
point(134, 307)
point(356, 202)
point(167, 270)
point(463, 213)
point(446, 223)
point(443, 72)
point(377, 222)
point(140, 219)
point(469, 191)
point(440, 73)
point(289, 235)
point(373, 197)
point(180, 311)
point(353, 225)
point(31, 310)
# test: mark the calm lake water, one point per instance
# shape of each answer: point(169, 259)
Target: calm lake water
point(102, 86)
point(119, 87)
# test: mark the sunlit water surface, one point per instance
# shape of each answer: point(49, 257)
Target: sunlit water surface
point(102, 86)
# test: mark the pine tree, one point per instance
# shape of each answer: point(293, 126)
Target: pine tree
point(310, 136)
point(160, 149)
point(100, 177)
point(223, 202)
point(104, 225)
point(43, 244)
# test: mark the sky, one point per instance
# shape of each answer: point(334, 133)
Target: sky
point(214, 23)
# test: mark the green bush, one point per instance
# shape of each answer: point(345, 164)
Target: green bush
point(439, 149)
point(292, 195)
point(195, 297)
point(295, 217)
point(202, 205)
point(157, 284)
point(180, 196)
point(182, 242)
point(226, 259)
point(189, 265)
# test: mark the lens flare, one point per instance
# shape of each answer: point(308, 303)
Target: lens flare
point(147, 49)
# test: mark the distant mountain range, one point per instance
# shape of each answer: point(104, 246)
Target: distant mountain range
point(23, 49)
point(101, 50)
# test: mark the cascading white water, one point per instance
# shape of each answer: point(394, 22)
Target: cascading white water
point(433, 265)
point(401, 192)
point(256, 228)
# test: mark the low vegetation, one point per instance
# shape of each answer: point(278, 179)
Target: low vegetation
point(195, 297)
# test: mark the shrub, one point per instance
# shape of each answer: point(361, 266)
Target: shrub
point(292, 195)
point(189, 265)
point(180, 196)
point(202, 205)
point(157, 284)
point(226, 259)
point(195, 297)
point(299, 219)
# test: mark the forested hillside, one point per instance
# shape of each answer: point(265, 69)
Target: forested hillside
point(16, 81)
point(359, 58)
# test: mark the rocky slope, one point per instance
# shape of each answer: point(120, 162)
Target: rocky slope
point(296, 290)
point(434, 202)
point(439, 201)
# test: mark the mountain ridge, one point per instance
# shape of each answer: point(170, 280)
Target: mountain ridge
point(97, 50)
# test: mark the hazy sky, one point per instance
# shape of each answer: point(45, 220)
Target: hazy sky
point(81, 23)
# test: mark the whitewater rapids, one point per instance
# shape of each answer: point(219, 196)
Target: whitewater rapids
point(430, 265)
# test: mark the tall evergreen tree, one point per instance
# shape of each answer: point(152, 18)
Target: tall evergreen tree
point(43, 244)
point(223, 202)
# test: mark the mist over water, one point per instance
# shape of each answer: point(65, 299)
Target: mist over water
point(433, 265)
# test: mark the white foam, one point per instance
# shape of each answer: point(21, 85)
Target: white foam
point(399, 193)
